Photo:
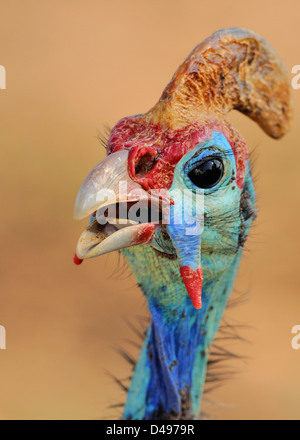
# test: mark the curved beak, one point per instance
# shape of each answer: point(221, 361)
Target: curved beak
point(119, 209)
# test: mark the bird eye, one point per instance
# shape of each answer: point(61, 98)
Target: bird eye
point(208, 173)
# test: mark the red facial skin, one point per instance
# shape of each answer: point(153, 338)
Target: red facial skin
point(168, 146)
point(144, 234)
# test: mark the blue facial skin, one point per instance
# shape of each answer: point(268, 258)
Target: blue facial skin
point(187, 243)
point(170, 373)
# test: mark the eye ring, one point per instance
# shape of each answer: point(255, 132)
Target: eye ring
point(207, 173)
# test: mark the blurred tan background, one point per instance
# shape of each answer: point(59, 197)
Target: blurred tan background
point(72, 66)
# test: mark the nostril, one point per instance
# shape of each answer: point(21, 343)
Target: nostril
point(141, 160)
point(144, 164)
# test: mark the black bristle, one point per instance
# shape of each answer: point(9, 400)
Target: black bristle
point(104, 136)
point(125, 355)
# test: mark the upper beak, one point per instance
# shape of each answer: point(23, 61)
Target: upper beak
point(108, 193)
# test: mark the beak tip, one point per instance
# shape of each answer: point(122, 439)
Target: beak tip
point(77, 260)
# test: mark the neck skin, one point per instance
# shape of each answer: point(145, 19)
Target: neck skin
point(170, 374)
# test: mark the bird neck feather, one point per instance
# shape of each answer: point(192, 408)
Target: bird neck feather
point(170, 374)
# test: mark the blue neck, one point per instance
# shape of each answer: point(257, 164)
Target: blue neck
point(170, 374)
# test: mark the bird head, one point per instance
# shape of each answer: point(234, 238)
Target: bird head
point(177, 178)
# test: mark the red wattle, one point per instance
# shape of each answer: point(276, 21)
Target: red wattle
point(193, 282)
point(145, 234)
point(77, 260)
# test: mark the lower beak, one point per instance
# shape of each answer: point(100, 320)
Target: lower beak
point(99, 240)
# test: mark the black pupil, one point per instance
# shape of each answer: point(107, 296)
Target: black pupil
point(208, 173)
